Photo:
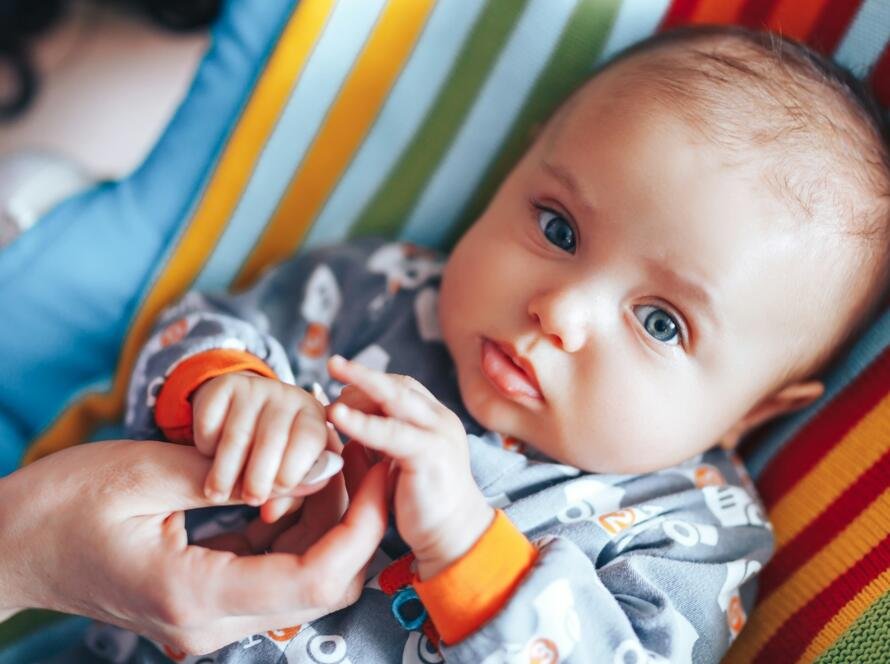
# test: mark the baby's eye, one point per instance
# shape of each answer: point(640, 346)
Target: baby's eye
point(556, 229)
point(659, 324)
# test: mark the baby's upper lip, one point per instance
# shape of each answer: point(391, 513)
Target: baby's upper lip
point(523, 363)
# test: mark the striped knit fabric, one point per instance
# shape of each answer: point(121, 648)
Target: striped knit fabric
point(400, 117)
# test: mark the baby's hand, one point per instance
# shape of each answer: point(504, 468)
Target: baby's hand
point(440, 512)
point(266, 432)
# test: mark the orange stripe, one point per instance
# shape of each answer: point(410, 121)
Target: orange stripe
point(851, 544)
point(857, 451)
point(223, 192)
point(717, 11)
point(842, 620)
point(347, 123)
point(795, 18)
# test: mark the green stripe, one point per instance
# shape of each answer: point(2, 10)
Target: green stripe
point(25, 622)
point(579, 46)
point(387, 212)
point(866, 640)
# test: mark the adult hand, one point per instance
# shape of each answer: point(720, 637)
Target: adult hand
point(98, 530)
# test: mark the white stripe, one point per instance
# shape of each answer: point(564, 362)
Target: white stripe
point(403, 113)
point(636, 20)
point(500, 100)
point(866, 37)
point(331, 61)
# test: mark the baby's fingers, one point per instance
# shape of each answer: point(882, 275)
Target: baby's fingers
point(231, 453)
point(274, 509)
point(270, 441)
point(389, 435)
point(307, 438)
point(398, 396)
point(354, 397)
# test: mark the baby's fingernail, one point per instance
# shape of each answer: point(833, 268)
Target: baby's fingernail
point(252, 500)
point(215, 496)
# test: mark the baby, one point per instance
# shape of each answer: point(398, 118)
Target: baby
point(686, 243)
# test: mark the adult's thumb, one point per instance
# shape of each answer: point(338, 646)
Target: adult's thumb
point(158, 477)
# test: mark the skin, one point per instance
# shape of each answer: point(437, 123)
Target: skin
point(98, 530)
point(613, 397)
point(574, 264)
point(647, 193)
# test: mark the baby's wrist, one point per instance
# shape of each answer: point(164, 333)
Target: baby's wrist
point(465, 528)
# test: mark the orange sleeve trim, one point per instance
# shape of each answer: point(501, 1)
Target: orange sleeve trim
point(173, 410)
point(466, 594)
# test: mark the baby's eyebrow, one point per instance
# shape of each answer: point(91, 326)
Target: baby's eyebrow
point(690, 289)
point(569, 182)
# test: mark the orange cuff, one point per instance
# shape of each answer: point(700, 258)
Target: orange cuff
point(173, 410)
point(467, 593)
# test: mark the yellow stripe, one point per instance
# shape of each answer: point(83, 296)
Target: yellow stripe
point(839, 623)
point(216, 207)
point(850, 546)
point(345, 127)
point(857, 451)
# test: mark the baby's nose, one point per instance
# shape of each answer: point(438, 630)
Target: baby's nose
point(561, 320)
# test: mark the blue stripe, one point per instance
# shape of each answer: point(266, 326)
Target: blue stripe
point(403, 113)
point(866, 37)
point(500, 100)
point(330, 63)
point(636, 20)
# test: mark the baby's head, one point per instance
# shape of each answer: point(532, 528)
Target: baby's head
point(689, 240)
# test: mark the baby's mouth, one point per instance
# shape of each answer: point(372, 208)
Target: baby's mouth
point(506, 373)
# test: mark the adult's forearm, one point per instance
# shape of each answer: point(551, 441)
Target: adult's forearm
point(13, 550)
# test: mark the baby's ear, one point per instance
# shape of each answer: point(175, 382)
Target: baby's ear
point(790, 398)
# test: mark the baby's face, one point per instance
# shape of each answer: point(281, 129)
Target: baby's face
point(658, 291)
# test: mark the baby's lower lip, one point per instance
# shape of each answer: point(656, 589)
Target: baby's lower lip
point(510, 379)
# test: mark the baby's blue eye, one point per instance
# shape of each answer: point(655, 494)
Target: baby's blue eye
point(659, 324)
point(557, 230)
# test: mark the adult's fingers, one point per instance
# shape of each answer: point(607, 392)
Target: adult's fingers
point(323, 512)
point(357, 461)
point(154, 478)
point(278, 582)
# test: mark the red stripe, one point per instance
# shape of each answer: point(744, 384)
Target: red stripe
point(678, 13)
point(806, 448)
point(832, 24)
point(792, 638)
point(880, 78)
point(755, 13)
point(823, 528)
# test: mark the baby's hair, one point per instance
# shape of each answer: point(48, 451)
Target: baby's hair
point(826, 138)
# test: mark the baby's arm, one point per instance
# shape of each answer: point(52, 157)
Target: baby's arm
point(655, 580)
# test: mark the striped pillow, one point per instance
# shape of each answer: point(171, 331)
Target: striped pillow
point(320, 120)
